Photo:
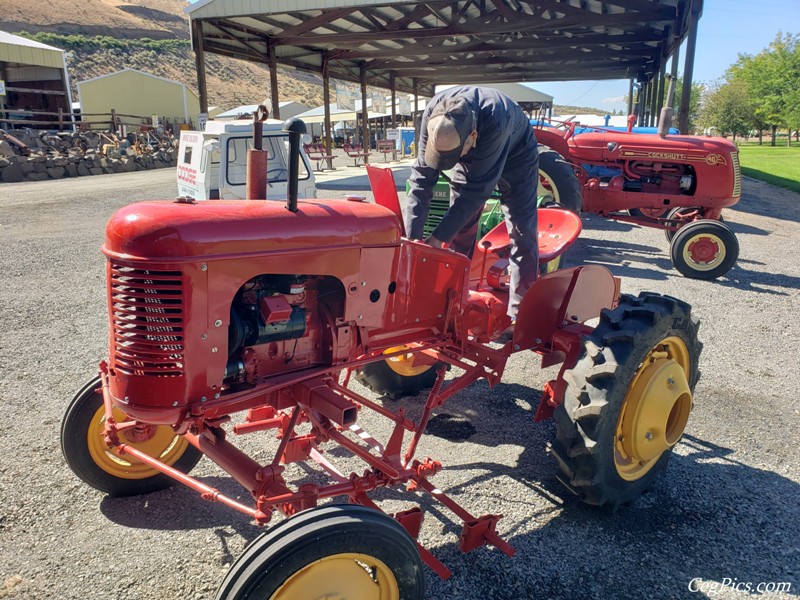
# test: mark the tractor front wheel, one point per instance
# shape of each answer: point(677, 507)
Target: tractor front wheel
point(333, 551)
point(704, 249)
point(96, 463)
point(628, 399)
point(558, 183)
point(399, 375)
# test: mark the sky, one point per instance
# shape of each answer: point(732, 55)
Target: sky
point(726, 29)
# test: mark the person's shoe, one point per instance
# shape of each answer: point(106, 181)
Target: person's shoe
point(506, 335)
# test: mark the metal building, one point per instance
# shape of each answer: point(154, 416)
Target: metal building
point(33, 77)
point(132, 92)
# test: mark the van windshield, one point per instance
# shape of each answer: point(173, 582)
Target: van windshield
point(277, 147)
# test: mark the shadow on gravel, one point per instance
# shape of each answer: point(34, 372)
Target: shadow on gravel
point(710, 518)
point(758, 280)
point(762, 199)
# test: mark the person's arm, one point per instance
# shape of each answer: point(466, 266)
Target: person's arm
point(423, 179)
point(474, 179)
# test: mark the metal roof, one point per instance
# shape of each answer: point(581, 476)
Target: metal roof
point(19, 50)
point(453, 41)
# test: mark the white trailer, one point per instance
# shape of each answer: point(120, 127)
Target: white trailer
point(212, 164)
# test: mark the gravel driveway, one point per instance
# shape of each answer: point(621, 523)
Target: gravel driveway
point(727, 512)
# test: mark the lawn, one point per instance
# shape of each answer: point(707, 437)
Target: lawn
point(779, 165)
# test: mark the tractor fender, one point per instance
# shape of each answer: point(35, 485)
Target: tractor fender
point(554, 139)
point(564, 297)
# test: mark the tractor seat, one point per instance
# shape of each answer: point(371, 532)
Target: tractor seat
point(557, 228)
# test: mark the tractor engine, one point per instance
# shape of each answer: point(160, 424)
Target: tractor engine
point(275, 325)
point(654, 178)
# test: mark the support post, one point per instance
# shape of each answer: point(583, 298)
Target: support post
point(630, 96)
point(658, 89)
point(362, 69)
point(200, 63)
point(688, 70)
point(326, 100)
point(661, 87)
point(416, 120)
point(273, 80)
point(394, 100)
point(642, 99)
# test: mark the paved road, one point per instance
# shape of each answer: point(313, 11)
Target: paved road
point(728, 508)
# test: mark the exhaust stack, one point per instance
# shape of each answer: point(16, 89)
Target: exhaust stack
point(295, 128)
point(665, 119)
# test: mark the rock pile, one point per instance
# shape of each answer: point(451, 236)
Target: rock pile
point(33, 155)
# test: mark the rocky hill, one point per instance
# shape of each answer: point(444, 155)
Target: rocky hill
point(103, 36)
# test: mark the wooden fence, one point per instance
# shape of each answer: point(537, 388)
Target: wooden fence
point(68, 121)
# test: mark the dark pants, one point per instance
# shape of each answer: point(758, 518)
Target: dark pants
point(518, 187)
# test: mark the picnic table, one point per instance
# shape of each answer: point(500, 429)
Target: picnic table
point(356, 152)
point(387, 147)
point(316, 152)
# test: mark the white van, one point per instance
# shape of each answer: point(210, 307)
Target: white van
point(212, 164)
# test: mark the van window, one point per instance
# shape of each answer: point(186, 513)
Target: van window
point(277, 147)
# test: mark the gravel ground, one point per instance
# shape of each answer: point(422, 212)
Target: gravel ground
point(728, 508)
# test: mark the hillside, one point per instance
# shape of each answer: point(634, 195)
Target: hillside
point(103, 36)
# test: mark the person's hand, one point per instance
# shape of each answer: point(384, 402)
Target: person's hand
point(435, 242)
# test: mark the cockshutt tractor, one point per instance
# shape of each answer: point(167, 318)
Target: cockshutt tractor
point(672, 182)
point(228, 318)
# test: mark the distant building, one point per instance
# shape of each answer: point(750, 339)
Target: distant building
point(133, 92)
point(288, 109)
point(33, 77)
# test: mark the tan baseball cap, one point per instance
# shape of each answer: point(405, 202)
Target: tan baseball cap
point(449, 125)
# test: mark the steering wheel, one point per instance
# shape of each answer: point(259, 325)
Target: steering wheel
point(280, 173)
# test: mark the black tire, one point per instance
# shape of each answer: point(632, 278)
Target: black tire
point(587, 446)
point(84, 415)
point(704, 249)
point(559, 176)
point(675, 214)
point(321, 533)
point(381, 378)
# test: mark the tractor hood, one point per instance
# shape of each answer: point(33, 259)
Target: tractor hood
point(178, 230)
point(613, 145)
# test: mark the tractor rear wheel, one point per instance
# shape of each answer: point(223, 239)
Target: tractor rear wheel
point(333, 551)
point(398, 376)
point(704, 249)
point(96, 463)
point(628, 399)
point(558, 183)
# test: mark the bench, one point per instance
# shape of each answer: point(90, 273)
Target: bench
point(387, 147)
point(356, 152)
point(316, 152)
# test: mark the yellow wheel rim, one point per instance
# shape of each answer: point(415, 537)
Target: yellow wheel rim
point(655, 410)
point(347, 576)
point(547, 189)
point(159, 442)
point(553, 265)
point(403, 364)
point(704, 251)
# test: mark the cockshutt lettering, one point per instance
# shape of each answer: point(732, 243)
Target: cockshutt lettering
point(669, 155)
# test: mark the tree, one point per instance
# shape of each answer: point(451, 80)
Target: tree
point(727, 107)
point(772, 78)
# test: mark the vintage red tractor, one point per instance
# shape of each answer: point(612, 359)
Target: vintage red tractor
point(676, 183)
point(233, 317)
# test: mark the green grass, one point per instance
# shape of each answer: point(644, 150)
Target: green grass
point(779, 165)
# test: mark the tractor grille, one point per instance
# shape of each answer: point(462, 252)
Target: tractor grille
point(440, 204)
point(147, 315)
point(737, 175)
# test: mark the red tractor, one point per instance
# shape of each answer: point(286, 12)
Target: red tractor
point(228, 318)
point(676, 183)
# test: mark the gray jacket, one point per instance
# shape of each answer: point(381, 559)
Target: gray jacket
point(505, 136)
